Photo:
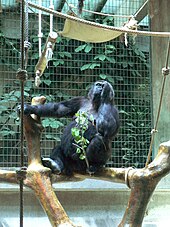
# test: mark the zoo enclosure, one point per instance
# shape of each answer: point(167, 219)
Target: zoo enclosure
point(74, 67)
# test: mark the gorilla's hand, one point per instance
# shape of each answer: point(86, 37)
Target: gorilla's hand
point(28, 109)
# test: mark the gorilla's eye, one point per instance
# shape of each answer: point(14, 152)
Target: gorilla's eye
point(99, 85)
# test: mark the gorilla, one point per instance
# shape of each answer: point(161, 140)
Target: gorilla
point(100, 104)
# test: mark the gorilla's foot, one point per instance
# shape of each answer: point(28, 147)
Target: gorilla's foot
point(52, 164)
point(94, 169)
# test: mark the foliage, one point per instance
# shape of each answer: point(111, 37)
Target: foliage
point(73, 62)
point(78, 134)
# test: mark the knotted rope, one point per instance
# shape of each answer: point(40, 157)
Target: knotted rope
point(165, 72)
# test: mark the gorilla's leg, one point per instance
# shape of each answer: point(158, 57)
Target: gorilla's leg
point(97, 153)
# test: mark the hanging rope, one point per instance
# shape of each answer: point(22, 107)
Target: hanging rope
point(123, 30)
point(27, 44)
point(165, 72)
point(22, 76)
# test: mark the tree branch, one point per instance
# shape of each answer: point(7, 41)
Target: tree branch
point(143, 183)
point(38, 176)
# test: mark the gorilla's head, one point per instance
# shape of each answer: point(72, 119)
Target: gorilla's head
point(101, 91)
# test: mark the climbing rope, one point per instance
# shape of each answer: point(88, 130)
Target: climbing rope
point(165, 72)
point(27, 44)
point(123, 30)
point(21, 75)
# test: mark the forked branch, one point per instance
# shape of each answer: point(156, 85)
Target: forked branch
point(141, 181)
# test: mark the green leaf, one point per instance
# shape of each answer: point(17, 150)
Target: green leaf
point(56, 124)
point(80, 48)
point(46, 123)
point(110, 59)
point(125, 65)
point(103, 76)
point(58, 62)
point(65, 54)
point(59, 39)
point(131, 64)
point(78, 150)
point(94, 65)
point(136, 73)
point(18, 94)
point(3, 108)
point(111, 47)
point(110, 79)
point(88, 48)
point(119, 78)
point(130, 124)
point(68, 54)
point(101, 57)
point(7, 132)
point(84, 67)
point(35, 39)
point(107, 19)
point(47, 82)
point(139, 53)
point(35, 56)
point(108, 51)
point(51, 123)
point(124, 112)
point(82, 156)
point(75, 132)
point(49, 136)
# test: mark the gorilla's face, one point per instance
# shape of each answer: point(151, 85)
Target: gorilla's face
point(101, 91)
point(98, 87)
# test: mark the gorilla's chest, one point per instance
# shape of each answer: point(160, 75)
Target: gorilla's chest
point(88, 108)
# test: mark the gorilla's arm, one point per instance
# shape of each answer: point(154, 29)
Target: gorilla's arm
point(107, 123)
point(61, 109)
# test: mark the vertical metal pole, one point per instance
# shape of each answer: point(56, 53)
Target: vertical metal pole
point(22, 111)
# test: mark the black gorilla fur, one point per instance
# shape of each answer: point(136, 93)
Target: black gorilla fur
point(100, 104)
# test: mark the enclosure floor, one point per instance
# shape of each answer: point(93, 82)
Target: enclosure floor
point(85, 208)
point(89, 203)
point(82, 221)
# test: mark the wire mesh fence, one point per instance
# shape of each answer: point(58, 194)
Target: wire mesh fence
point(75, 65)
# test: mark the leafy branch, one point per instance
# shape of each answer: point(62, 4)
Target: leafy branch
point(78, 131)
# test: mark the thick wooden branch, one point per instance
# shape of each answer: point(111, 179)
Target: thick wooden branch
point(141, 181)
point(8, 176)
point(38, 176)
point(38, 179)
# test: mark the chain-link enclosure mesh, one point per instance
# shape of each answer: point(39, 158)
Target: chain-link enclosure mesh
point(74, 67)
